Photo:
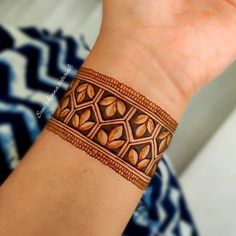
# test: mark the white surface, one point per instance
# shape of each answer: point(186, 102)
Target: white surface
point(210, 183)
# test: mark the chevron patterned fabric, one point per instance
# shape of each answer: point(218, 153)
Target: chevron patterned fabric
point(32, 61)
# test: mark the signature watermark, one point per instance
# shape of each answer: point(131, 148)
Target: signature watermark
point(49, 97)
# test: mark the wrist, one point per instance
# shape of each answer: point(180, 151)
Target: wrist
point(133, 65)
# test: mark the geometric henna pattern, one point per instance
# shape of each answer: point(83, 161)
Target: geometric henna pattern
point(114, 124)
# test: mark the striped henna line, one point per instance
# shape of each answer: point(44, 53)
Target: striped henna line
point(114, 124)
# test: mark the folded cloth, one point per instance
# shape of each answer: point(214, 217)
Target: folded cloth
point(33, 62)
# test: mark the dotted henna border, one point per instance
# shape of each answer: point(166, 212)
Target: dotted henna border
point(131, 93)
point(90, 150)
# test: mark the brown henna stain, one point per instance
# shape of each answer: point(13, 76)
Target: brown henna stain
point(114, 124)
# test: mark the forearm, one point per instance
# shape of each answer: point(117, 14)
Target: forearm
point(63, 190)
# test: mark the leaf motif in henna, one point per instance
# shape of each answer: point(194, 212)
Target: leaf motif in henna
point(72, 83)
point(140, 119)
point(81, 97)
point(102, 137)
point(115, 144)
point(81, 87)
point(111, 110)
point(64, 112)
point(133, 157)
point(168, 139)
point(121, 107)
point(150, 125)
point(107, 101)
point(142, 165)
point(144, 152)
point(116, 133)
point(75, 121)
point(163, 135)
point(85, 116)
point(163, 145)
point(87, 125)
point(90, 91)
point(65, 103)
point(140, 131)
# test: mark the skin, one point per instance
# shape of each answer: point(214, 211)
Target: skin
point(170, 49)
point(182, 38)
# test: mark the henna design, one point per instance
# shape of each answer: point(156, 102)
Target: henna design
point(114, 124)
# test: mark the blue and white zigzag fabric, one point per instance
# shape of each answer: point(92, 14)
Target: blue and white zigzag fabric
point(32, 62)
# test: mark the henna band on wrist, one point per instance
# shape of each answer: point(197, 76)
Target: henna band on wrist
point(114, 124)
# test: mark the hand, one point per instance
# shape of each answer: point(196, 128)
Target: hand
point(190, 41)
